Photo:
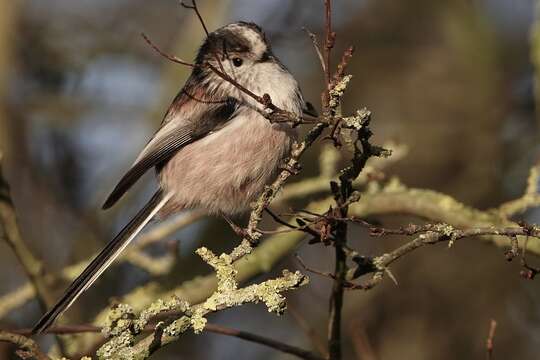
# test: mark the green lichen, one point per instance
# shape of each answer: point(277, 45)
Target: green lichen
point(358, 120)
point(120, 319)
point(227, 295)
point(158, 307)
point(119, 347)
point(198, 322)
point(337, 92)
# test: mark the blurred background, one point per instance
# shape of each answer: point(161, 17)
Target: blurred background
point(451, 79)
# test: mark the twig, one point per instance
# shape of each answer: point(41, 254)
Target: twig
point(448, 230)
point(317, 47)
point(31, 265)
point(165, 55)
point(328, 45)
point(194, 7)
point(28, 347)
point(276, 115)
point(228, 294)
point(213, 328)
point(336, 298)
point(285, 348)
point(279, 220)
point(27, 292)
point(530, 197)
point(438, 233)
point(270, 192)
point(391, 199)
point(489, 341)
point(342, 66)
point(315, 271)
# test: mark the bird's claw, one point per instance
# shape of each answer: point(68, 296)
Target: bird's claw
point(292, 169)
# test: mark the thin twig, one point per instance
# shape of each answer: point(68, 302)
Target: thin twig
point(279, 220)
point(285, 348)
point(315, 271)
point(31, 265)
point(328, 43)
point(439, 233)
point(27, 292)
point(276, 115)
point(195, 8)
point(489, 341)
point(213, 328)
point(317, 47)
point(165, 55)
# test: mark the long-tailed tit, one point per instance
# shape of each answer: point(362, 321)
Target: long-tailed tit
point(214, 150)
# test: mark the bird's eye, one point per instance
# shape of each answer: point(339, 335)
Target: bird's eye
point(237, 61)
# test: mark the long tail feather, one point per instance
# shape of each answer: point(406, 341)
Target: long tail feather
point(103, 260)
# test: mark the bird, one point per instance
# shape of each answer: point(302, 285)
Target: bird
point(215, 149)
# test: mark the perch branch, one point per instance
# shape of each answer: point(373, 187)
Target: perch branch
point(123, 325)
point(212, 328)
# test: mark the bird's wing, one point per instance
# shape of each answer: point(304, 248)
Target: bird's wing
point(171, 137)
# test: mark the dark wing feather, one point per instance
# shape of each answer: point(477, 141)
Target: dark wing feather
point(309, 109)
point(174, 135)
point(102, 261)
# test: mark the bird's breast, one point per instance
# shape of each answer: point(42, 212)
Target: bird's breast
point(229, 168)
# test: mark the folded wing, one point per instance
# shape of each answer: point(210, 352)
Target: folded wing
point(175, 133)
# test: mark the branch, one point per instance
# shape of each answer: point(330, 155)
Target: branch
point(253, 235)
point(433, 206)
point(285, 348)
point(31, 265)
point(317, 47)
point(28, 347)
point(212, 328)
point(123, 325)
point(275, 115)
point(530, 198)
point(133, 254)
point(393, 198)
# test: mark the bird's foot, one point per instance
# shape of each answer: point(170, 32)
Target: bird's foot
point(292, 169)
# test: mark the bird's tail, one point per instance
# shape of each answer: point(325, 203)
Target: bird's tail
point(103, 260)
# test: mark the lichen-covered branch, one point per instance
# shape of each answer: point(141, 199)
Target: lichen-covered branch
point(377, 200)
point(530, 198)
point(31, 265)
point(212, 328)
point(133, 254)
point(123, 325)
point(430, 234)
